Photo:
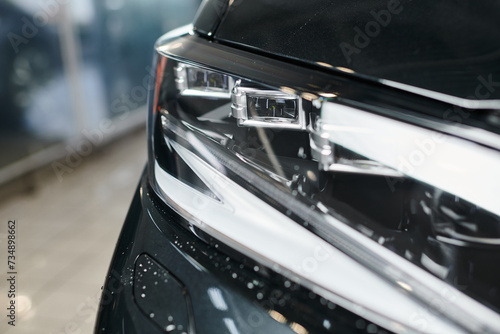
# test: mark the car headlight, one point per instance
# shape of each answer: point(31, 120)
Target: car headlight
point(255, 153)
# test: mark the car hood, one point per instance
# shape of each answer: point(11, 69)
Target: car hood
point(441, 46)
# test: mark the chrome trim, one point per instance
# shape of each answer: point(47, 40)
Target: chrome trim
point(200, 52)
point(181, 81)
point(240, 110)
point(452, 164)
point(440, 299)
point(459, 101)
point(323, 151)
point(246, 223)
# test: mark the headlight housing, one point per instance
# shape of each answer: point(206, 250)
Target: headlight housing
point(255, 151)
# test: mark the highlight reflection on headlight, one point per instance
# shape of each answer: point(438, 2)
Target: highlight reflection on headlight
point(257, 166)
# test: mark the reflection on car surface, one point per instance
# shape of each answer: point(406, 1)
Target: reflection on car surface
point(318, 167)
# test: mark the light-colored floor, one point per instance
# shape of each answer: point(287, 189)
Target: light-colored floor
point(66, 231)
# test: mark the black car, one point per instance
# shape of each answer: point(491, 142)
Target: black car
point(318, 167)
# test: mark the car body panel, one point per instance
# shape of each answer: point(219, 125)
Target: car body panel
point(156, 245)
point(451, 48)
point(217, 282)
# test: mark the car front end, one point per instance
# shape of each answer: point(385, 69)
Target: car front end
point(286, 193)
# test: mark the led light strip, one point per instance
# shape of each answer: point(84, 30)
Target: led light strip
point(259, 231)
point(241, 96)
point(323, 151)
point(221, 89)
point(396, 270)
point(464, 310)
point(455, 165)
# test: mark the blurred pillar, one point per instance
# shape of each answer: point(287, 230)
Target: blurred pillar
point(71, 61)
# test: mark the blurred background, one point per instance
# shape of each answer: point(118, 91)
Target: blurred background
point(74, 76)
point(67, 65)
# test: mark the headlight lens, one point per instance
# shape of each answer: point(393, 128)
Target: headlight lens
point(195, 81)
point(308, 156)
point(285, 135)
point(267, 108)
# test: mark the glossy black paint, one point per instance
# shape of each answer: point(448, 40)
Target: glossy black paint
point(390, 208)
point(209, 287)
point(154, 285)
point(194, 263)
point(209, 16)
point(443, 46)
point(357, 92)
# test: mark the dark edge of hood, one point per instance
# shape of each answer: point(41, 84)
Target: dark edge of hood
point(209, 16)
point(409, 54)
